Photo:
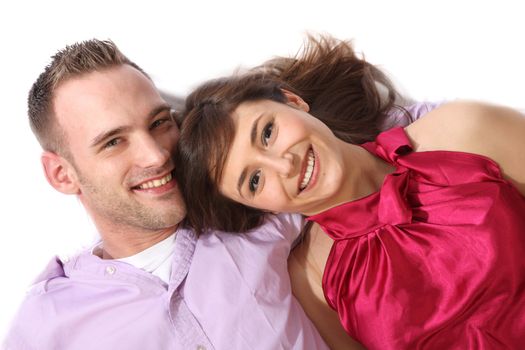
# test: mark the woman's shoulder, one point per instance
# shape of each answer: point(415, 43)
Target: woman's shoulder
point(455, 126)
point(492, 131)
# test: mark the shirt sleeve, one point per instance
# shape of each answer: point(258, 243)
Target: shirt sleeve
point(30, 328)
point(418, 110)
point(399, 117)
point(289, 226)
point(250, 269)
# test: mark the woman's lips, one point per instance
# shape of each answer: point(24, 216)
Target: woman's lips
point(308, 170)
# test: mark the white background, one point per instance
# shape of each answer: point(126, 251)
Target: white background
point(434, 50)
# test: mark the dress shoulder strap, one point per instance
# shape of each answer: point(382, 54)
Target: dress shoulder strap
point(390, 145)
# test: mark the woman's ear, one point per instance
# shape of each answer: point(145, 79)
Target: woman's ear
point(295, 100)
point(60, 173)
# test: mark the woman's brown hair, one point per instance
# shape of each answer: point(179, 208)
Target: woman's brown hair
point(341, 89)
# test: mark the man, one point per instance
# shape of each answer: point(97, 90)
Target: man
point(108, 136)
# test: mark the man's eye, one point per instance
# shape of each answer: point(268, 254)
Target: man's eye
point(267, 133)
point(254, 181)
point(159, 122)
point(112, 143)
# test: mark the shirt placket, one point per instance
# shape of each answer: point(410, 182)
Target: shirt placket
point(186, 327)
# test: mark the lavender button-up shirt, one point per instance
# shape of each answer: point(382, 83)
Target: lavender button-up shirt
point(226, 292)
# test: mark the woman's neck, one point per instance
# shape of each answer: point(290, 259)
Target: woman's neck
point(364, 174)
point(367, 172)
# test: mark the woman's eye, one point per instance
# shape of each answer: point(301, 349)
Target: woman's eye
point(267, 133)
point(254, 181)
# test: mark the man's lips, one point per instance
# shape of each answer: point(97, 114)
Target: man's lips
point(154, 183)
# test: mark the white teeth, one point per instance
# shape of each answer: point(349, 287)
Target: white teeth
point(309, 170)
point(156, 183)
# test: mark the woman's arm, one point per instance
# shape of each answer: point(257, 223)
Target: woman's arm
point(306, 266)
point(492, 131)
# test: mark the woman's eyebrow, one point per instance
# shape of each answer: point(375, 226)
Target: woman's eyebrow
point(255, 127)
point(241, 181)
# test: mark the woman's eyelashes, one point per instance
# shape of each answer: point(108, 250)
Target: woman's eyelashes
point(267, 133)
point(266, 136)
point(253, 183)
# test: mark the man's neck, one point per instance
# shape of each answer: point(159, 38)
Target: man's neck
point(116, 245)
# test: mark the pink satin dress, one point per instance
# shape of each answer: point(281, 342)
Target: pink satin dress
point(435, 259)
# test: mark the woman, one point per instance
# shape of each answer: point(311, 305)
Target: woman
point(373, 105)
point(425, 226)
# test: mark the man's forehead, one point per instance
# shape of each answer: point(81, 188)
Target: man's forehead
point(110, 89)
point(107, 83)
point(89, 110)
point(92, 104)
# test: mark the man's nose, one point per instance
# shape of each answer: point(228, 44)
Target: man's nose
point(150, 153)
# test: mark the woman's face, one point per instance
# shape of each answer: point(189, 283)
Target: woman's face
point(282, 159)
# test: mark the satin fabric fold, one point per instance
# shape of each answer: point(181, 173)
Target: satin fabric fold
point(435, 259)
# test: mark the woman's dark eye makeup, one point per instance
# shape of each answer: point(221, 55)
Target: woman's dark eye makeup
point(267, 133)
point(253, 184)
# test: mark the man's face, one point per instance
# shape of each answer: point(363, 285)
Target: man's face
point(121, 136)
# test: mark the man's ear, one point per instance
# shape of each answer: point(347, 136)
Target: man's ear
point(295, 100)
point(60, 173)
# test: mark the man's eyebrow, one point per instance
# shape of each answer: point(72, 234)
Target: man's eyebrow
point(107, 134)
point(161, 108)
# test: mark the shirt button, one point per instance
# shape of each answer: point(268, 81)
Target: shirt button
point(200, 347)
point(110, 270)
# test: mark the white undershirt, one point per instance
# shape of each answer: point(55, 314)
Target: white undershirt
point(156, 259)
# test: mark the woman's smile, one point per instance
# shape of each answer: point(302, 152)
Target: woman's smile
point(310, 171)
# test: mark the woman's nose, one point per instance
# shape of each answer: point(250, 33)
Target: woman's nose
point(283, 165)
